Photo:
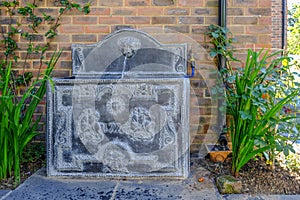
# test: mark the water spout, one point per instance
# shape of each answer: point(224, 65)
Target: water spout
point(124, 66)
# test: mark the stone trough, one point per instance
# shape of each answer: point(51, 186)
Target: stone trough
point(123, 113)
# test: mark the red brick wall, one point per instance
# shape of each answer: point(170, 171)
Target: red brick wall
point(255, 24)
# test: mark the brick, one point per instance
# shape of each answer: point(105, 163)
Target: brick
point(137, 2)
point(7, 20)
point(246, 38)
point(265, 3)
point(191, 20)
point(163, 20)
point(85, 20)
point(71, 29)
point(234, 11)
point(162, 2)
point(190, 2)
point(150, 11)
point(265, 20)
point(61, 73)
point(264, 39)
point(180, 29)
point(49, 11)
point(213, 3)
point(205, 11)
point(199, 29)
point(99, 11)
point(177, 11)
point(245, 20)
point(246, 3)
point(84, 38)
point(211, 20)
point(137, 20)
point(123, 11)
point(111, 20)
point(111, 3)
point(65, 65)
point(260, 11)
point(97, 29)
point(120, 27)
point(258, 29)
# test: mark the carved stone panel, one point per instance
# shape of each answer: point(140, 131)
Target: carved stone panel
point(118, 127)
point(129, 54)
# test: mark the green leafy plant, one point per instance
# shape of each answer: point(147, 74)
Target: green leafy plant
point(256, 97)
point(17, 127)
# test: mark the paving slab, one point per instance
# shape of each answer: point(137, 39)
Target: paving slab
point(41, 187)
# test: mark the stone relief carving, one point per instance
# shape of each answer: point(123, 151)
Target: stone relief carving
point(126, 127)
point(129, 46)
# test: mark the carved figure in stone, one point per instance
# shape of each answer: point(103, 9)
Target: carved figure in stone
point(78, 59)
point(129, 46)
point(140, 126)
point(89, 130)
point(116, 158)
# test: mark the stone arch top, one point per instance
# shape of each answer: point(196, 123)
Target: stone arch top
point(129, 53)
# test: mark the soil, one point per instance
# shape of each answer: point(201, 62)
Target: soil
point(32, 160)
point(257, 177)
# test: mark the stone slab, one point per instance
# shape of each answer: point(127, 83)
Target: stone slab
point(118, 127)
point(129, 53)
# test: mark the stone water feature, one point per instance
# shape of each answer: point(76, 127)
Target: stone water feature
point(123, 113)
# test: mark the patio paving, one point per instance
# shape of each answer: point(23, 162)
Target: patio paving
point(41, 187)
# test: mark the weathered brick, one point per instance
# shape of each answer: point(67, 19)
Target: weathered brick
point(212, 3)
point(85, 20)
point(137, 20)
point(49, 11)
point(163, 20)
point(84, 38)
point(71, 29)
point(162, 2)
point(111, 3)
point(7, 20)
point(97, 29)
point(191, 20)
point(260, 11)
point(137, 2)
point(246, 3)
point(123, 11)
point(65, 65)
point(111, 20)
point(180, 29)
point(61, 38)
point(245, 20)
point(99, 11)
point(150, 11)
point(211, 20)
point(61, 73)
point(177, 11)
point(264, 39)
point(258, 29)
point(265, 3)
point(234, 11)
point(120, 27)
point(205, 11)
point(265, 20)
point(246, 38)
point(199, 29)
point(190, 2)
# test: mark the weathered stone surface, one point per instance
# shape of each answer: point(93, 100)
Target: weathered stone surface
point(115, 118)
point(228, 185)
point(131, 53)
